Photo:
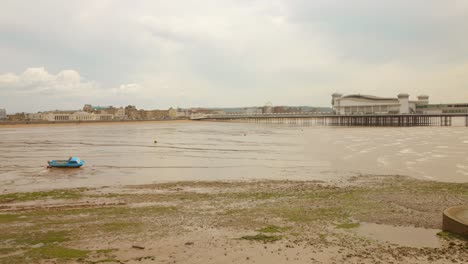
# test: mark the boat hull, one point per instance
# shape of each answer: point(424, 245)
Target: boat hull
point(70, 163)
point(65, 166)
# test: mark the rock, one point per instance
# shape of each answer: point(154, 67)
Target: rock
point(138, 247)
point(38, 245)
point(189, 243)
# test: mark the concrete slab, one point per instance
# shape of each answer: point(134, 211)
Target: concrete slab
point(455, 220)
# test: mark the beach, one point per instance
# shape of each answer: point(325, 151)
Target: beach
point(367, 219)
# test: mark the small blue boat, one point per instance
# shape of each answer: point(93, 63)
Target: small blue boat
point(72, 162)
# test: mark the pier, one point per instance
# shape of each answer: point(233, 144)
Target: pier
point(314, 119)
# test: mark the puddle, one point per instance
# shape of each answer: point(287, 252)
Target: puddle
point(400, 235)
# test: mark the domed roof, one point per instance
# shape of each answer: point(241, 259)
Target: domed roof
point(368, 97)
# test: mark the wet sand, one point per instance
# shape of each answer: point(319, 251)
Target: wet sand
point(123, 154)
point(365, 219)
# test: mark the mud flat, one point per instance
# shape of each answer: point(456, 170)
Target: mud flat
point(367, 219)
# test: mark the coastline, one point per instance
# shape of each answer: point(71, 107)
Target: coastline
point(79, 123)
point(235, 222)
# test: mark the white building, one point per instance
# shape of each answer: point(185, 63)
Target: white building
point(268, 108)
point(3, 114)
point(76, 116)
point(56, 117)
point(103, 117)
point(35, 116)
point(358, 104)
point(120, 114)
point(182, 113)
point(82, 116)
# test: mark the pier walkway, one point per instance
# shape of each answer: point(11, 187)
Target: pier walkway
point(323, 119)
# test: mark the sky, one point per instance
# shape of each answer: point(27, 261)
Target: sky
point(157, 54)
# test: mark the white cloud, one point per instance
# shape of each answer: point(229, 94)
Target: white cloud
point(34, 81)
point(127, 89)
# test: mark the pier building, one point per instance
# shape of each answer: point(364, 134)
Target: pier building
point(358, 104)
point(461, 108)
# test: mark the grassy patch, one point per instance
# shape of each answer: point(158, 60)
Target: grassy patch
point(301, 214)
point(262, 238)
point(4, 251)
point(106, 251)
point(348, 225)
point(255, 195)
point(41, 237)
point(199, 184)
point(32, 196)
point(16, 259)
point(448, 235)
point(6, 218)
point(53, 251)
point(108, 260)
point(273, 229)
point(234, 212)
point(120, 226)
point(127, 211)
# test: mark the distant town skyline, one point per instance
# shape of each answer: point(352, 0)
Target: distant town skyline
point(162, 54)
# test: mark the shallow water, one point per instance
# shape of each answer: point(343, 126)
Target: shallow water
point(126, 153)
point(400, 235)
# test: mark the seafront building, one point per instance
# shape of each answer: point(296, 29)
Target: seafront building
point(102, 113)
point(358, 104)
point(67, 116)
point(3, 114)
point(182, 113)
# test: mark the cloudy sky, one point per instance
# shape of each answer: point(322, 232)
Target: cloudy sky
point(160, 54)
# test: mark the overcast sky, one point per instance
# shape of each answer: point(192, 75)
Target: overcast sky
point(160, 54)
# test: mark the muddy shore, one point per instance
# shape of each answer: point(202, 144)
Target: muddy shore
point(367, 219)
point(17, 124)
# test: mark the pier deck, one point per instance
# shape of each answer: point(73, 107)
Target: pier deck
point(397, 120)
